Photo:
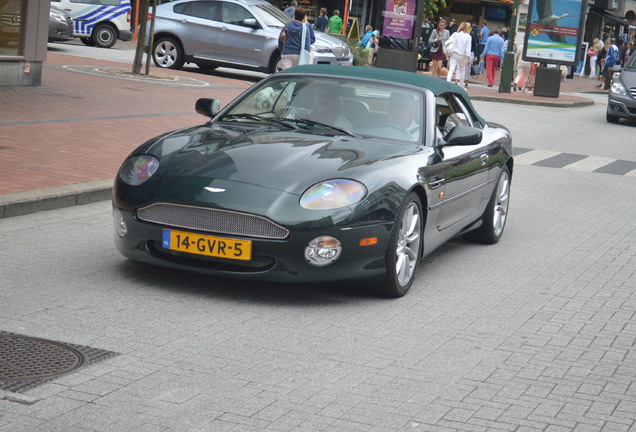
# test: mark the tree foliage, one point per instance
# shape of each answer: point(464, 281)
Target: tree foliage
point(432, 8)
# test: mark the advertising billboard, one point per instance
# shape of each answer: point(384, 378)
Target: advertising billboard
point(399, 18)
point(554, 31)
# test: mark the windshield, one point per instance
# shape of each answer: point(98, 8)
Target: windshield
point(270, 16)
point(631, 63)
point(334, 105)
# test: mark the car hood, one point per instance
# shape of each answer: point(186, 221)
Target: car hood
point(628, 77)
point(283, 160)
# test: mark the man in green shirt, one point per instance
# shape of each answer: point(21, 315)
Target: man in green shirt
point(334, 25)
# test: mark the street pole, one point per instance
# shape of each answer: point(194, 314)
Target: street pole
point(505, 81)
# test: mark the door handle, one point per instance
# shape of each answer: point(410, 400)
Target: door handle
point(484, 159)
point(435, 184)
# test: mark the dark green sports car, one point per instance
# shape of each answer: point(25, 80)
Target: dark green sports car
point(318, 174)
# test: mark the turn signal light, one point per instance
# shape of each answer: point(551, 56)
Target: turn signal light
point(369, 241)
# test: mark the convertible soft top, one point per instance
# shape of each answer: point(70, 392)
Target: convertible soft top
point(437, 86)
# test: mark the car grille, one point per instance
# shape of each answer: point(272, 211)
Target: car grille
point(212, 220)
point(342, 51)
point(632, 91)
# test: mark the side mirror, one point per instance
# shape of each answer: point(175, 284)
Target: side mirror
point(208, 107)
point(251, 22)
point(463, 135)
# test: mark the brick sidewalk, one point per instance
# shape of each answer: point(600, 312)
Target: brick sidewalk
point(69, 136)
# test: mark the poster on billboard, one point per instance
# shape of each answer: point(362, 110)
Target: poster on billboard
point(554, 31)
point(399, 18)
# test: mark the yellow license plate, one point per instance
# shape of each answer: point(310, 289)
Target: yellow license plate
point(220, 247)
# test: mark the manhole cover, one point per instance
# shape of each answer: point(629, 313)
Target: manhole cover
point(24, 357)
point(26, 362)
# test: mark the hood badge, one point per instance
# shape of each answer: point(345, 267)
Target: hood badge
point(214, 190)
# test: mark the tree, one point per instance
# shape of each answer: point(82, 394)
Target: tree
point(142, 13)
point(432, 7)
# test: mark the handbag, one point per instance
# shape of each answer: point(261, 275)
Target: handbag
point(449, 46)
point(475, 69)
point(305, 56)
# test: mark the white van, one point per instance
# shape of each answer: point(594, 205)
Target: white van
point(99, 22)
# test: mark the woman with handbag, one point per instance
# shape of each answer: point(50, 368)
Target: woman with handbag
point(460, 56)
point(295, 41)
point(593, 54)
point(437, 39)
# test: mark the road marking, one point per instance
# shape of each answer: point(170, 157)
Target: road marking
point(574, 162)
point(534, 156)
point(589, 164)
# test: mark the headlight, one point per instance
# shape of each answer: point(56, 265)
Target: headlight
point(333, 194)
point(138, 169)
point(57, 17)
point(321, 49)
point(618, 88)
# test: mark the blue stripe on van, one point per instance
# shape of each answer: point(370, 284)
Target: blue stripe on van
point(84, 24)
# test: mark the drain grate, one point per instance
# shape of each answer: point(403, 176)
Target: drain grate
point(27, 362)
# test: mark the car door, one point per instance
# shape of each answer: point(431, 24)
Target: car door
point(197, 25)
point(466, 167)
point(238, 43)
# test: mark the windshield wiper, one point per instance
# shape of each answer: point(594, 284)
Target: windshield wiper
point(328, 126)
point(261, 118)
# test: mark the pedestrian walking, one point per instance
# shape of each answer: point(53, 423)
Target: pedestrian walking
point(493, 53)
point(291, 9)
point(321, 21)
point(334, 25)
point(461, 56)
point(291, 38)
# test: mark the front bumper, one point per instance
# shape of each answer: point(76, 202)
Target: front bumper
point(621, 106)
point(272, 260)
point(59, 32)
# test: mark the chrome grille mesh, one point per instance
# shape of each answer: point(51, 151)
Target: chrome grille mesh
point(632, 91)
point(341, 51)
point(212, 220)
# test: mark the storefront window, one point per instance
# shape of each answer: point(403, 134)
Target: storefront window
point(11, 14)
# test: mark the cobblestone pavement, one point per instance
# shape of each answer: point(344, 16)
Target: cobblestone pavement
point(536, 333)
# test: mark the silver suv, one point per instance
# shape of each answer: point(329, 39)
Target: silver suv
point(241, 34)
point(621, 100)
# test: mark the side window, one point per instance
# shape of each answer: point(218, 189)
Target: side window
point(450, 112)
point(202, 9)
point(234, 14)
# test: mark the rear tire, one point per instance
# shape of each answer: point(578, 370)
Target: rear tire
point(494, 219)
point(275, 63)
point(404, 249)
point(104, 36)
point(610, 118)
point(168, 54)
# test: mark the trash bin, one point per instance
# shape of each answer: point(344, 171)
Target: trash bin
point(547, 82)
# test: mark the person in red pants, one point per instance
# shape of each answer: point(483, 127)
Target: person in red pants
point(493, 52)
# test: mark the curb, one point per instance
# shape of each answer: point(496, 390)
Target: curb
point(38, 200)
point(572, 104)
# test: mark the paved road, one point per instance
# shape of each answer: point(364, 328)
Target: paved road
point(535, 333)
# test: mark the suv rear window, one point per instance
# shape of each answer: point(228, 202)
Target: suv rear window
point(199, 9)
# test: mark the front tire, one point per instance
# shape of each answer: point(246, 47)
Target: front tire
point(167, 54)
point(87, 41)
point(104, 36)
point(494, 219)
point(405, 245)
point(610, 118)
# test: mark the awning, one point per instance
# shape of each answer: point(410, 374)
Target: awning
point(610, 17)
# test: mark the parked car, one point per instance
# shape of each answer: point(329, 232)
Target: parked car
point(621, 99)
point(240, 34)
point(99, 22)
point(10, 18)
point(60, 25)
point(318, 174)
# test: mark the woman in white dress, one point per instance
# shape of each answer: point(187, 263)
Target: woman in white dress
point(461, 56)
point(593, 53)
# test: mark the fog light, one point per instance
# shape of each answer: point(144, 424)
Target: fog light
point(322, 251)
point(120, 224)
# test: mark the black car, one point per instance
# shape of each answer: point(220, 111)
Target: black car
point(60, 25)
point(318, 174)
